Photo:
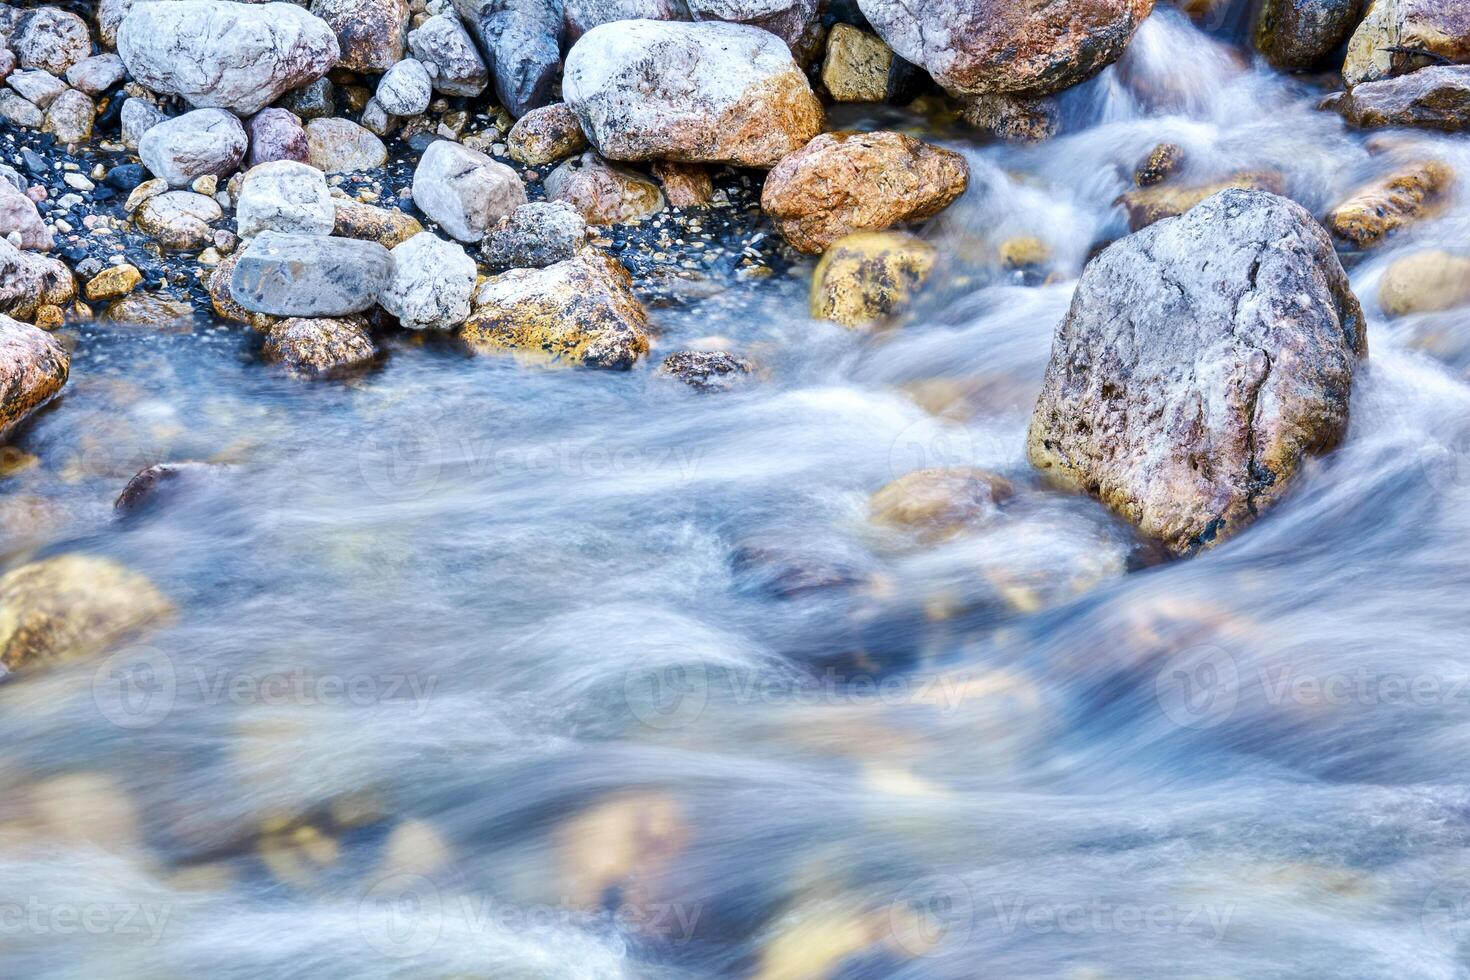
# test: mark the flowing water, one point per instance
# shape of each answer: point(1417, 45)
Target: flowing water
point(486, 670)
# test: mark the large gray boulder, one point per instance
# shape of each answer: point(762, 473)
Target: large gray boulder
point(309, 276)
point(464, 190)
point(696, 93)
point(218, 54)
point(521, 40)
point(33, 368)
point(1202, 359)
point(1010, 47)
point(205, 141)
point(444, 48)
point(284, 196)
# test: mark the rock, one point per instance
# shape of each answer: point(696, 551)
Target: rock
point(940, 503)
point(405, 89)
point(71, 607)
point(1162, 161)
point(522, 44)
point(33, 369)
point(1387, 204)
point(1023, 252)
point(1430, 98)
point(697, 93)
point(1425, 282)
point(138, 116)
point(858, 65)
point(155, 486)
point(868, 277)
point(18, 216)
point(19, 111)
point(433, 281)
point(224, 303)
point(706, 370)
point(275, 134)
point(1300, 34)
point(1011, 117)
point(465, 191)
point(70, 117)
point(96, 74)
point(218, 54)
point(314, 100)
point(376, 120)
point(793, 21)
point(583, 15)
point(310, 276)
point(1393, 32)
point(385, 226)
point(546, 135)
point(339, 146)
point(841, 183)
point(370, 33)
point(446, 51)
point(321, 347)
point(284, 196)
point(1144, 207)
point(29, 282)
point(1007, 47)
point(36, 86)
point(179, 220)
point(110, 14)
point(205, 141)
point(581, 311)
point(601, 193)
point(1202, 360)
point(143, 193)
point(50, 39)
point(160, 312)
point(534, 236)
point(686, 185)
point(113, 282)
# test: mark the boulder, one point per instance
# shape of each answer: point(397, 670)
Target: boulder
point(19, 217)
point(370, 33)
point(340, 146)
point(1300, 34)
point(1007, 47)
point(96, 74)
point(706, 370)
point(110, 14)
point(1202, 360)
point(546, 135)
point(387, 227)
point(284, 196)
point(465, 191)
point(275, 134)
point(179, 220)
point(219, 54)
point(1399, 36)
point(868, 277)
point(1012, 117)
point(583, 15)
point(1425, 282)
point(321, 347)
point(444, 48)
point(793, 21)
point(71, 116)
point(936, 504)
point(686, 185)
point(29, 281)
point(71, 607)
point(534, 236)
point(37, 87)
point(433, 281)
point(33, 369)
point(1383, 206)
point(841, 183)
point(857, 65)
point(1430, 98)
point(405, 89)
point(113, 282)
point(205, 141)
point(521, 40)
point(602, 193)
point(50, 39)
point(697, 93)
point(310, 276)
point(578, 312)
point(1151, 204)
point(314, 100)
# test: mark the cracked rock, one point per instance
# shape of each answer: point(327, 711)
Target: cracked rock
point(464, 190)
point(433, 281)
point(310, 276)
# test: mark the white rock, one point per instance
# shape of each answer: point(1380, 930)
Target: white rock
point(51, 40)
point(96, 74)
point(304, 275)
point(465, 191)
point(205, 141)
point(215, 53)
point(284, 196)
point(138, 116)
point(790, 20)
point(38, 87)
point(433, 281)
point(405, 89)
point(450, 57)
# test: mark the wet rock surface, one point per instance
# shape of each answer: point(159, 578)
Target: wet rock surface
point(321, 347)
point(1430, 98)
point(33, 369)
point(1300, 34)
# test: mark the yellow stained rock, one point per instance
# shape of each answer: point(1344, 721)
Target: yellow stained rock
point(857, 65)
point(868, 277)
point(1151, 204)
point(625, 841)
point(1372, 212)
point(386, 226)
point(1024, 251)
point(1425, 282)
point(941, 502)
